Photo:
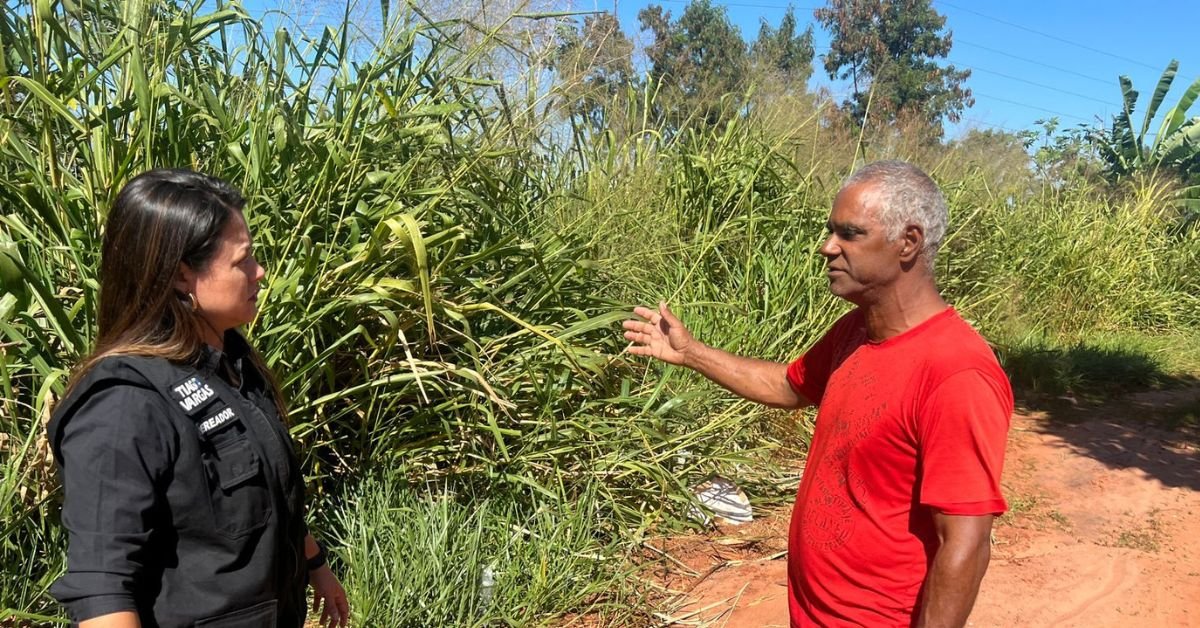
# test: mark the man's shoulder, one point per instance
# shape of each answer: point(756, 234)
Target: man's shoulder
point(953, 327)
point(956, 345)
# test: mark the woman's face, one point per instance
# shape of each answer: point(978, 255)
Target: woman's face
point(226, 291)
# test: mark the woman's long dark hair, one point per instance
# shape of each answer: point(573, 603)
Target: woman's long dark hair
point(161, 219)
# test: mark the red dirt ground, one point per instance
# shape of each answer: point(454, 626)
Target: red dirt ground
point(1103, 531)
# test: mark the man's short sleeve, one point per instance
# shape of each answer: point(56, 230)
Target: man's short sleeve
point(962, 432)
point(809, 373)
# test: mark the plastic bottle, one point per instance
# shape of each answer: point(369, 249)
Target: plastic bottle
point(487, 583)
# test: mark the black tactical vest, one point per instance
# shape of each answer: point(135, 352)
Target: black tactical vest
point(227, 543)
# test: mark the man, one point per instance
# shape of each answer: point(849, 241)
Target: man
point(893, 517)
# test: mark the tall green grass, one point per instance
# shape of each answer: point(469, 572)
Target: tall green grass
point(422, 312)
point(446, 278)
point(422, 556)
point(1078, 262)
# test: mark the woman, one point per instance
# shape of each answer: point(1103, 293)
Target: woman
point(184, 501)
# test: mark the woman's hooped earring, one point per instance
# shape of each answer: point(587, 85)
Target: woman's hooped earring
point(190, 302)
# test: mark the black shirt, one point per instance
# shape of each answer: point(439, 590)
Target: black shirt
point(187, 519)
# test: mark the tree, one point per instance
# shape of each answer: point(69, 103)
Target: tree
point(1062, 155)
point(594, 64)
point(887, 48)
point(783, 52)
point(696, 60)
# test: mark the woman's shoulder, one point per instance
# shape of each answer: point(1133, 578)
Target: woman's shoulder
point(114, 371)
point(113, 409)
point(115, 389)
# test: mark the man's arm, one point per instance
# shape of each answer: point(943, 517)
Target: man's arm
point(760, 381)
point(661, 335)
point(958, 567)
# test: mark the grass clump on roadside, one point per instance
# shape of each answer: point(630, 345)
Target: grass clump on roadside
point(433, 556)
point(1100, 365)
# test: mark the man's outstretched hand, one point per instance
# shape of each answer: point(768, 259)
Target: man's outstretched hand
point(659, 334)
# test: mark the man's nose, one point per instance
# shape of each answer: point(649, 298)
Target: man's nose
point(829, 248)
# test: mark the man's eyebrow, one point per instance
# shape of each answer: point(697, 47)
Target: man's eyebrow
point(843, 226)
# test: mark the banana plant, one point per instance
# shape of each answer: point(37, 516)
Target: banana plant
point(1176, 145)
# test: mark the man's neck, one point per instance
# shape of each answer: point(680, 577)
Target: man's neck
point(902, 310)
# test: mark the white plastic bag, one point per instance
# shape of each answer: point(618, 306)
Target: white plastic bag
point(726, 501)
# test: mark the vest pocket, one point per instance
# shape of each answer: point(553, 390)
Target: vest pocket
point(258, 616)
point(237, 488)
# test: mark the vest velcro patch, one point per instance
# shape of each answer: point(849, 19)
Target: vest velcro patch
point(192, 394)
point(222, 417)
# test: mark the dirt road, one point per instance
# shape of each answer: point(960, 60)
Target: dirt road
point(1103, 530)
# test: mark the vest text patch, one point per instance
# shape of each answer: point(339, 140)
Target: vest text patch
point(192, 393)
point(216, 421)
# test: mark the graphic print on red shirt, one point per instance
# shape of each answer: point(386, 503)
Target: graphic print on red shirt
point(910, 424)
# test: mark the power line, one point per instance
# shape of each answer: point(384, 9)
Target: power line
point(1017, 78)
point(1046, 35)
point(750, 6)
point(1029, 106)
point(1041, 85)
point(982, 15)
point(1108, 82)
point(843, 94)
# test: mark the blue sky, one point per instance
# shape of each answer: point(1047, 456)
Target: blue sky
point(1030, 59)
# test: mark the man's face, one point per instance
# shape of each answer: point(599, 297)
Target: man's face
point(860, 261)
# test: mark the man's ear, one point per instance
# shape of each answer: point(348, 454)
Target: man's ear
point(185, 279)
point(912, 240)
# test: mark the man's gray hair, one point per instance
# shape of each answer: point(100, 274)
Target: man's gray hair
point(905, 196)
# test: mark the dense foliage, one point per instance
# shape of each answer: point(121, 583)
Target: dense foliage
point(446, 278)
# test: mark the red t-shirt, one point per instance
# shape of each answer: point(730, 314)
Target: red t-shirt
point(913, 423)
